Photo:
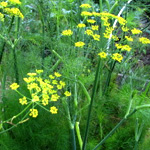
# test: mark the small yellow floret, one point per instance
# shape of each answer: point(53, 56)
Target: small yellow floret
point(102, 55)
point(23, 101)
point(136, 31)
point(53, 110)
point(14, 86)
point(67, 32)
point(85, 6)
point(67, 93)
point(15, 2)
point(81, 25)
point(33, 113)
point(79, 44)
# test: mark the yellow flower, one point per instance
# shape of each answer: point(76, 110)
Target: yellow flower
point(67, 32)
point(79, 44)
point(3, 4)
point(28, 80)
point(126, 48)
point(129, 38)
point(85, 6)
point(81, 25)
point(102, 55)
point(123, 47)
point(53, 110)
point(59, 87)
point(96, 37)
point(33, 113)
point(121, 20)
point(86, 13)
point(96, 14)
point(118, 57)
point(136, 31)
point(55, 97)
point(89, 32)
point(14, 86)
point(54, 82)
point(115, 37)
point(144, 40)
point(31, 74)
point(62, 83)
point(23, 101)
point(39, 71)
point(91, 21)
point(51, 77)
point(45, 102)
point(35, 98)
point(95, 27)
point(57, 74)
point(14, 12)
point(15, 2)
point(67, 93)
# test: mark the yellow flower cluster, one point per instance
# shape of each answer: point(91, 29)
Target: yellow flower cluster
point(33, 113)
point(123, 47)
point(89, 32)
point(95, 27)
point(14, 86)
point(108, 31)
point(53, 110)
point(3, 4)
point(15, 2)
point(118, 57)
point(136, 31)
point(102, 55)
point(79, 44)
point(85, 6)
point(14, 12)
point(23, 101)
point(96, 37)
point(129, 38)
point(81, 25)
point(144, 40)
point(91, 21)
point(67, 32)
point(43, 91)
point(86, 13)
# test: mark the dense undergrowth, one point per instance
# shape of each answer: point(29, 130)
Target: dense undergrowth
point(74, 75)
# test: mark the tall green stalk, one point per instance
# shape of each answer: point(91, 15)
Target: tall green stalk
point(40, 8)
point(4, 43)
point(91, 103)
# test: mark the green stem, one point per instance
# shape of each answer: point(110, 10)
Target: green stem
point(16, 66)
point(91, 103)
point(79, 135)
point(101, 5)
point(108, 5)
point(109, 77)
point(113, 7)
point(4, 43)
point(71, 125)
point(18, 114)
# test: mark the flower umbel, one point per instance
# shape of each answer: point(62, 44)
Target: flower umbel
point(53, 110)
point(33, 113)
point(14, 86)
point(79, 44)
point(102, 55)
